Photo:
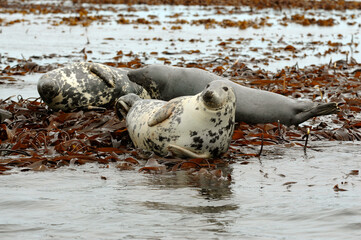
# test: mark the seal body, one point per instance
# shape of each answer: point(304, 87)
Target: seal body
point(85, 86)
point(199, 126)
point(253, 105)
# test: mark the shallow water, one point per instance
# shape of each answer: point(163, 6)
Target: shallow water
point(284, 195)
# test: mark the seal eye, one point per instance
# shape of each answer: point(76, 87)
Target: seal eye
point(207, 86)
point(225, 89)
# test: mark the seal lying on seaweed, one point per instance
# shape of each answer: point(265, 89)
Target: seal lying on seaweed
point(199, 126)
point(84, 85)
point(252, 106)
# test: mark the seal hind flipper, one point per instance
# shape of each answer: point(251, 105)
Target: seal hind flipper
point(180, 151)
point(103, 74)
point(161, 114)
point(325, 109)
point(318, 110)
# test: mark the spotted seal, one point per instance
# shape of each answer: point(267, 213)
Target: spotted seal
point(253, 105)
point(85, 85)
point(199, 126)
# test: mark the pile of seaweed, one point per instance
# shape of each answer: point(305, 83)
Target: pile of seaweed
point(259, 4)
point(38, 139)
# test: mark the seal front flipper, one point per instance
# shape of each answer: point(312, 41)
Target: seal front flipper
point(180, 151)
point(104, 74)
point(162, 114)
point(124, 103)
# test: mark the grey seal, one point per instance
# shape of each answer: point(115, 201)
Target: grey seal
point(199, 126)
point(85, 86)
point(253, 105)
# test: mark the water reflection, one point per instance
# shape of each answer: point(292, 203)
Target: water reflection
point(190, 209)
point(208, 187)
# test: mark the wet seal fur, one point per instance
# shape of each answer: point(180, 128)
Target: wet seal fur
point(253, 105)
point(199, 126)
point(85, 86)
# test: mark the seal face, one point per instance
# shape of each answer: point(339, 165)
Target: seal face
point(199, 126)
point(85, 86)
point(253, 105)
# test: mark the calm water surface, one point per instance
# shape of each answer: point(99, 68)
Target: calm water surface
point(284, 195)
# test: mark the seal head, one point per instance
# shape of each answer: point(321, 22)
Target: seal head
point(215, 96)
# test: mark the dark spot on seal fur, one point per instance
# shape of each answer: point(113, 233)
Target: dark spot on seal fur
point(152, 145)
point(219, 123)
point(212, 133)
point(215, 151)
point(193, 133)
point(214, 136)
point(162, 139)
point(179, 120)
point(197, 143)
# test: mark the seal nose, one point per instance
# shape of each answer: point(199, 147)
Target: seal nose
point(47, 89)
point(208, 96)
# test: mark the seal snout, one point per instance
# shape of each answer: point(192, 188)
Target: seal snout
point(208, 96)
point(212, 99)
